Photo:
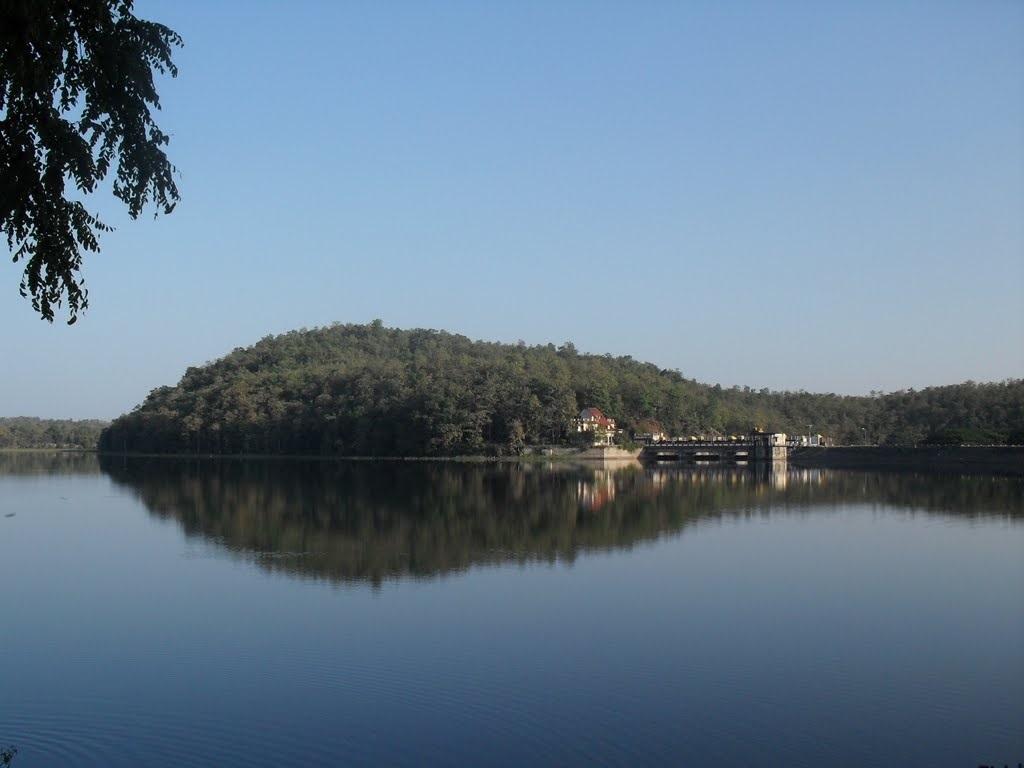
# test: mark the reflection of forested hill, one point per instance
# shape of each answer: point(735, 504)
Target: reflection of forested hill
point(371, 521)
point(48, 463)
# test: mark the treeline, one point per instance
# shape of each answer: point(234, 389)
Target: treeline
point(367, 390)
point(30, 432)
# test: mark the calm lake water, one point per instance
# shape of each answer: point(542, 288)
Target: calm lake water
point(161, 612)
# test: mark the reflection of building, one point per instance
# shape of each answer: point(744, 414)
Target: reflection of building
point(592, 420)
point(595, 493)
point(808, 477)
point(778, 475)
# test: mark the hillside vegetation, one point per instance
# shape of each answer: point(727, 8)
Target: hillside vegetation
point(367, 390)
point(31, 432)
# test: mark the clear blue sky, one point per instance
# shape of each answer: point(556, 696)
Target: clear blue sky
point(793, 195)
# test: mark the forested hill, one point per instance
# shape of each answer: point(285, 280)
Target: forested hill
point(367, 390)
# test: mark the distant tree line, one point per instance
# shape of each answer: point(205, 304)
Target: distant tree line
point(367, 390)
point(30, 432)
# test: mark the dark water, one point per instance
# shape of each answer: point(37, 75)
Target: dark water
point(158, 613)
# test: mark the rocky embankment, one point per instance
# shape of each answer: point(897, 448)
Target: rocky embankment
point(967, 459)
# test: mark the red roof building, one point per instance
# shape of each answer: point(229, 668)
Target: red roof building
point(592, 420)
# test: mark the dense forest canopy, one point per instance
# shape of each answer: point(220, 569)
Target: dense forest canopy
point(30, 432)
point(367, 390)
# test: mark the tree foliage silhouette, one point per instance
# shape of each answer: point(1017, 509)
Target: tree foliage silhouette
point(76, 98)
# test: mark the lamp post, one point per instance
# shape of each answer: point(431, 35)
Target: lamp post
point(809, 434)
point(864, 432)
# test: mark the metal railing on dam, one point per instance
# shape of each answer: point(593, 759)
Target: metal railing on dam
point(767, 447)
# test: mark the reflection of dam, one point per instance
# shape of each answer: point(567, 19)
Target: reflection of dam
point(758, 478)
point(757, 447)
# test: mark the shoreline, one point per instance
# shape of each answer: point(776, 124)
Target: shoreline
point(939, 459)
